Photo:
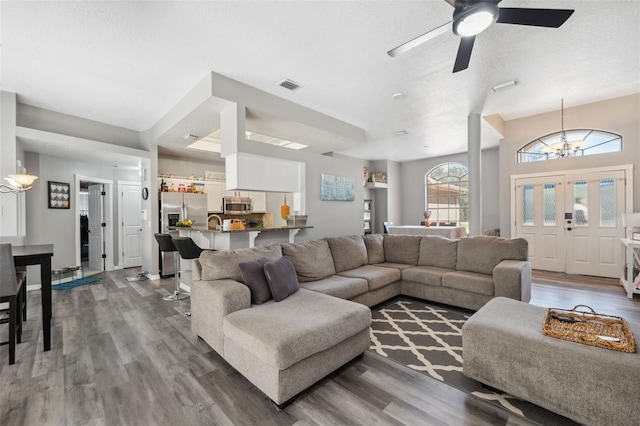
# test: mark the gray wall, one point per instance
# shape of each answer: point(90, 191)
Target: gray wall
point(58, 226)
point(64, 124)
point(413, 195)
point(619, 115)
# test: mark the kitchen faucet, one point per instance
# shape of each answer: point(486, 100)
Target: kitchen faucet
point(216, 216)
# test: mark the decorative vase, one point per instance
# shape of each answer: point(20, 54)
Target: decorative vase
point(427, 223)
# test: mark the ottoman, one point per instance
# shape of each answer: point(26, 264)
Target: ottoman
point(504, 347)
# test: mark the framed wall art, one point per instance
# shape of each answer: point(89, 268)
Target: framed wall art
point(337, 188)
point(59, 195)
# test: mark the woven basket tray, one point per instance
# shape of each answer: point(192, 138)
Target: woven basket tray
point(589, 328)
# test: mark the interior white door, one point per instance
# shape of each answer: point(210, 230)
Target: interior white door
point(540, 220)
point(96, 230)
point(593, 204)
point(131, 200)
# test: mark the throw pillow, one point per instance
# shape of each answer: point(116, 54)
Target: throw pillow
point(282, 278)
point(253, 277)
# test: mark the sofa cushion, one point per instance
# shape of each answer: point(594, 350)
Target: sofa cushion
point(253, 277)
point(305, 323)
point(376, 276)
point(438, 251)
point(348, 252)
point(312, 259)
point(375, 248)
point(428, 275)
point(220, 265)
point(469, 281)
point(337, 286)
point(282, 278)
point(402, 248)
point(398, 266)
point(482, 253)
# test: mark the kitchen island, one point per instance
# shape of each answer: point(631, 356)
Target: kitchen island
point(215, 239)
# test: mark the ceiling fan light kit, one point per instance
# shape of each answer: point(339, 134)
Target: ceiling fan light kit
point(474, 19)
point(471, 17)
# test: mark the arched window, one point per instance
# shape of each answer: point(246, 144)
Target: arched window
point(447, 194)
point(577, 142)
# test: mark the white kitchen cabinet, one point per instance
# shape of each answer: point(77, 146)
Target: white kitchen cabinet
point(232, 193)
point(214, 196)
point(258, 201)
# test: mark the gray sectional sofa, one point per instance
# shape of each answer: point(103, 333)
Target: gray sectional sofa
point(284, 347)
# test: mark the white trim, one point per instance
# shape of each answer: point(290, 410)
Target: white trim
point(119, 189)
point(108, 230)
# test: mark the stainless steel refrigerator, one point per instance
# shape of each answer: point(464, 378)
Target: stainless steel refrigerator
point(174, 207)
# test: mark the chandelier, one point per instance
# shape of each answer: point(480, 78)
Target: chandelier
point(562, 148)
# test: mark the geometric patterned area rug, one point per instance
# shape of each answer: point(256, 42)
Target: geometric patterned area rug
point(427, 337)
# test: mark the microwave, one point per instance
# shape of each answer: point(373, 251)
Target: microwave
point(236, 205)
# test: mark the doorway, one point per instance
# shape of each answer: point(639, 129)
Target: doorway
point(94, 224)
point(571, 219)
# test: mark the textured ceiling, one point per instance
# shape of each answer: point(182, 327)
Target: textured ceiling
point(127, 63)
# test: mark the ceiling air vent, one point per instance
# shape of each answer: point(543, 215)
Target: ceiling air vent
point(288, 84)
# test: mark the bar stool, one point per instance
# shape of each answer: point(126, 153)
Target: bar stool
point(166, 245)
point(188, 250)
point(11, 285)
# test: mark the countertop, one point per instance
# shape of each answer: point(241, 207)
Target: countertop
point(246, 229)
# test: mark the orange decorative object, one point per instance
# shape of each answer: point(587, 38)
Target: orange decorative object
point(285, 210)
point(236, 225)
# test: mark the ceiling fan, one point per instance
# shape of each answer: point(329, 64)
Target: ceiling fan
point(471, 17)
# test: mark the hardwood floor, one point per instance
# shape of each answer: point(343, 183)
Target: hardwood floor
point(122, 356)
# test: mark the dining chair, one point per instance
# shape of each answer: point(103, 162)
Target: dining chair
point(11, 284)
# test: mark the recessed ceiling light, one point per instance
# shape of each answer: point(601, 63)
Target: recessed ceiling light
point(504, 86)
point(400, 133)
point(398, 96)
point(190, 137)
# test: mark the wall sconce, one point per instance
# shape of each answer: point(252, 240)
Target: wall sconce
point(17, 183)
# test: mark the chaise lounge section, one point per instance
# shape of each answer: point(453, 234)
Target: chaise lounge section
point(284, 347)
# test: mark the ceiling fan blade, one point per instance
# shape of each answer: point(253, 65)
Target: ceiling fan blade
point(419, 40)
point(552, 18)
point(464, 53)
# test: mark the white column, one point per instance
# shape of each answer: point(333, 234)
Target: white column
point(475, 182)
point(232, 128)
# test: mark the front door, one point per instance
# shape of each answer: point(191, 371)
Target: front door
point(96, 230)
point(572, 221)
point(540, 220)
point(595, 203)
point(131, 226)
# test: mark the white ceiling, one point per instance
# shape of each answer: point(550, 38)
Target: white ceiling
point(127, 63)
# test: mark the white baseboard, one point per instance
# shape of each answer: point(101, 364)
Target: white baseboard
point(185, 287)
